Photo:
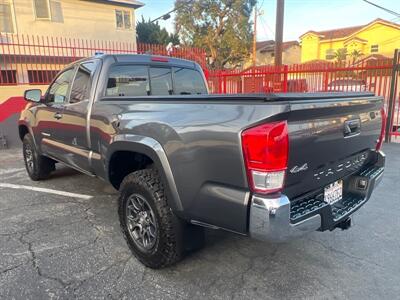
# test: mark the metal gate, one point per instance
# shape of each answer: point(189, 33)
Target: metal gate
point(393, 104)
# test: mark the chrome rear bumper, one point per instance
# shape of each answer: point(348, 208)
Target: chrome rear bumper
point(270, 218)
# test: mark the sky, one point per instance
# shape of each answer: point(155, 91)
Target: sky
point(300, 15)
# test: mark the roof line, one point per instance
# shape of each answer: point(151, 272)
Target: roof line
point(126, 3)
point(357, 29)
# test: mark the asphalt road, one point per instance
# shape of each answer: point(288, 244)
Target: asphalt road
point(54, 246)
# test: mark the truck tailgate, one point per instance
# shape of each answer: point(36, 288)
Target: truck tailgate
point(328, 140)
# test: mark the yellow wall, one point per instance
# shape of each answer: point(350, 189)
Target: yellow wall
point(387, 37)
point(82, 19)
point(324, 46)
point(356, 46)
point(309, 47)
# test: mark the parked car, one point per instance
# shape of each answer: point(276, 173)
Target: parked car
point(347, 85)
point(270, 166)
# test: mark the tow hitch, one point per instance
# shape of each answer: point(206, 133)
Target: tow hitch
point(344, 225)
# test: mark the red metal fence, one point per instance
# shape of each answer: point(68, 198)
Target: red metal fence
point(27, 59)
point(376, 76)
point(371, 75)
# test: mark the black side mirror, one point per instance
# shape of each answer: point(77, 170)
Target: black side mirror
point(33, 95)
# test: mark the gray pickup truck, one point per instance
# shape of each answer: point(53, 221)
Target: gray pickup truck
point(271, 166)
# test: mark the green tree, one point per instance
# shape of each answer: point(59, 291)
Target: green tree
point(355, 55)
point(221, 27)
point(341, 55)
point(151, 33)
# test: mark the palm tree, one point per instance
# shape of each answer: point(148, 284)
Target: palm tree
point(341, 55)
point(356, 54)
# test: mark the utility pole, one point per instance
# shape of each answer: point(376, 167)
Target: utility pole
point(255, 36)
point(280, 4)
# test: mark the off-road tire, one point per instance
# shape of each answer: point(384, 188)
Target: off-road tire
point(169, 247)
point(41, 166)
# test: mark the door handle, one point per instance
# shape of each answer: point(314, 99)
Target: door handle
point(58, 115)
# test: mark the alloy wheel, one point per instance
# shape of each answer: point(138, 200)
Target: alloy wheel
point(28, 154)
point(141, 223)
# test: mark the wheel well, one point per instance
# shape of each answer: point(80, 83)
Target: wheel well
point(123, 163)
point(23, 130)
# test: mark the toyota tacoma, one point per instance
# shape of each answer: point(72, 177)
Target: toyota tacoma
point(269, 166)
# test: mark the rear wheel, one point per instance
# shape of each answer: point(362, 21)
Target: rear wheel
point(38, 166)
point(153, 233)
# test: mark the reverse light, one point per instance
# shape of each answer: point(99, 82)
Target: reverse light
point(265, 150)
point(383, 129)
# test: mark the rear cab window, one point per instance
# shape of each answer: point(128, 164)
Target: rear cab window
point(188, 82)
point(161, 81)
point(128, 80)
point(143, 80)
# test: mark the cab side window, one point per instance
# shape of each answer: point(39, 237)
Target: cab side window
point(58, 91)
point(83, 82)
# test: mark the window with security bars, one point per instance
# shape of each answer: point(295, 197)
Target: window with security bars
point(6, 17)
point(8, 77)
point(41, 76)
point(123, 19)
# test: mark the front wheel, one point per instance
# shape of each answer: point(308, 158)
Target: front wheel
point(38, 166)
point(153, 233)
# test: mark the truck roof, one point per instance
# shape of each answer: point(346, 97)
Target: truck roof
point(144, 58)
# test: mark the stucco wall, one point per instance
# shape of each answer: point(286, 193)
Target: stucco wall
point(385, 36)
point(309, 48)
point(388, 39)
point(289, 56)
point(81, 19)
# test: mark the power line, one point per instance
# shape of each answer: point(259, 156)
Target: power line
point(263, 20)
point(383, 8)
point(167, 15)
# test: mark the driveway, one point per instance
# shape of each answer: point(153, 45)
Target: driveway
point(60, 238)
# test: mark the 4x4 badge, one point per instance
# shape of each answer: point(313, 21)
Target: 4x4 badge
point(297, 169)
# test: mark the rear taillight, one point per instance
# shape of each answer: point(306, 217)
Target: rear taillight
point(383, 128)
point(265, 150)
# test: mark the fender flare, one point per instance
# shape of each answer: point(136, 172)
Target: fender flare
point(23, 123)
point(153, 149)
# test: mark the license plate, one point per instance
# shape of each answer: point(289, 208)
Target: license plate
point(333, 192)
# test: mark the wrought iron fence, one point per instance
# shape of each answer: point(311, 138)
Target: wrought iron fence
point(377, 76)
point(27, 59)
